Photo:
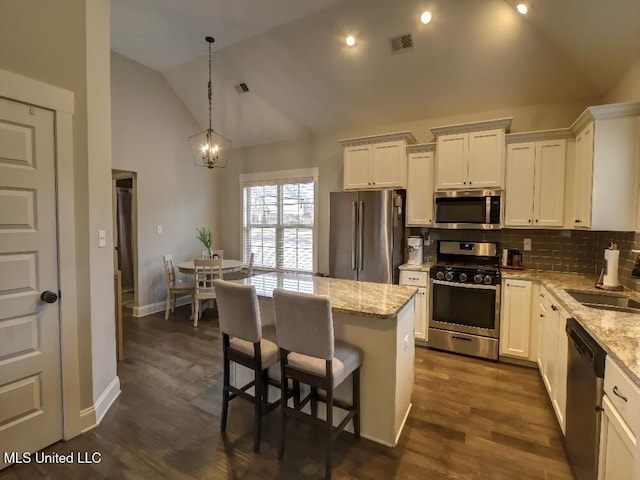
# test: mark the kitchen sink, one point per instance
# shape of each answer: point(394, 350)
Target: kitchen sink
point(602, 301)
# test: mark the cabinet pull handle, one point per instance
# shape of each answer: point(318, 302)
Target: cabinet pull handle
point(618, 394)
point(554, 308)
point(541, 315)
point(529, 220)
point(455, 337)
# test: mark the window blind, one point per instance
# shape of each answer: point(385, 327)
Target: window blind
point(278, 224)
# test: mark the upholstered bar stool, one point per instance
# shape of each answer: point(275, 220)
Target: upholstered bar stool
point(310, 355)
point(242, 343)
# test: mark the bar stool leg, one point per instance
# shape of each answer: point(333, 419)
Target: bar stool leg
point(327, 471)
point(356, 402)
point(225, 386)
point(314, 402)
point(283, 403)
point(257, 410)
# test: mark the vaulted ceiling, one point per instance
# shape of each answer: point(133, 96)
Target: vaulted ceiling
point(474, 55)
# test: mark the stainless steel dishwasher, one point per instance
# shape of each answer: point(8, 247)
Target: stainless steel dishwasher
point(585, 380)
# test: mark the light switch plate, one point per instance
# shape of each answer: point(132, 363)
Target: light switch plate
point(158, 229)
point(527, 244)
point(102, 238)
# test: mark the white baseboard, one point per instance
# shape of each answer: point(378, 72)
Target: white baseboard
point(88, 419)
point(144, 310)
point(92, 416)
point(107, 398)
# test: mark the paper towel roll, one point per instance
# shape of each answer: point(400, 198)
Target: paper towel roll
point(610, 279)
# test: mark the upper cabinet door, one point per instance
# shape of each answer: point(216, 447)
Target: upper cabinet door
point(519, 185)
point(549, 183)
point(357, 160)
point(420, 189)
point(486, 158)
point(583, 177)
point(389, 165)
point(451, 160)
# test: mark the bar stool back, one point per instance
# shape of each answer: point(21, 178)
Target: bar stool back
point(309, 354)
point(242, 342)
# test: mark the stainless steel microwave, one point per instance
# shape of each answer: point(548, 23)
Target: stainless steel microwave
point(477, 209)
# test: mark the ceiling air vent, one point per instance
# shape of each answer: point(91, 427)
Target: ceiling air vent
point(242, 88)
point(401, 43)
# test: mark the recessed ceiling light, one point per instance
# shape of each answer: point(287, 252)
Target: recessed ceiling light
point(425, 17)
point(522, 8)
point(350, 40)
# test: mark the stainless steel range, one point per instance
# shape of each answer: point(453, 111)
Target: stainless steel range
point(465, 296)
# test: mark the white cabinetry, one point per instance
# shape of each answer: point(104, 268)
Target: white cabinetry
point(376, 162)
point(419, 279)
point(534, 191)
point(515, 322)
point(552, 353)
point(605, 167)
point(620, 424)
point(420, 160)
point(470, 155)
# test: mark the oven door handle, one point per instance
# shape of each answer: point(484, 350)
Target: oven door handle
point(465, 285)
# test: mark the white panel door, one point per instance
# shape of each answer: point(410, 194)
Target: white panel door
point(30, 381)
point(389, 165)
point(357, 161)
point(519, 185)
point(617, 445)
point(549, 184)
point(516, 319)
point(486, 158)
point(420, 328)
point(451, 161)
point(420, 189)
point(583, 177)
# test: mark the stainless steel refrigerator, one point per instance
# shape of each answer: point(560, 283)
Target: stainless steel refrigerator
point(366, 235)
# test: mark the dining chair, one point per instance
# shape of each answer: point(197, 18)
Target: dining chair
point(309, 354)
point(245, 272)
point(243, 343)
point(175, 286)
point(205, 271)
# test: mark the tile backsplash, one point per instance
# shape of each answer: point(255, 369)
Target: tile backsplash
point(552, 250)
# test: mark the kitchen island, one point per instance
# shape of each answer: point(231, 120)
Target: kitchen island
point(379, 319)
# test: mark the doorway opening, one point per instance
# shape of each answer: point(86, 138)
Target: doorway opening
point(125, 227)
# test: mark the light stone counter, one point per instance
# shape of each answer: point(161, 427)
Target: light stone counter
point(617, 332)
point(347, 296)
point(377, 318)
point(425, 267)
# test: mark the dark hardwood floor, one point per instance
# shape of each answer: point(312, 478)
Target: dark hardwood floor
point(471, 419)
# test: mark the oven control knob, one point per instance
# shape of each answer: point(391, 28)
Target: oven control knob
point(478, 278)
point(488, 280)
point(448, 276)
point(440, 275)
point(463, 277)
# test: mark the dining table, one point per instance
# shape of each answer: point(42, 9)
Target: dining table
point(228, 266)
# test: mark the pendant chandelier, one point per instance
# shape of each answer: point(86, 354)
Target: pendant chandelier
point(208, 147)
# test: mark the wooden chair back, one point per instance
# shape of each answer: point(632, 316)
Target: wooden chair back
point(169, 269)
point(250, 266)
point(206, 271)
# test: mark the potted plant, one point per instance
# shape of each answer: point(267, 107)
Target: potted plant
point(205, 237)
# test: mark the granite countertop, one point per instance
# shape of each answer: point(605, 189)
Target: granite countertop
point(348, 296)
point(417, 268)
point(617, 332)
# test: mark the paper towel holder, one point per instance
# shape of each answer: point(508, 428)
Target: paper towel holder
point(608, 279)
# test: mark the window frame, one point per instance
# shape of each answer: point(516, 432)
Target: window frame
point(275, 178)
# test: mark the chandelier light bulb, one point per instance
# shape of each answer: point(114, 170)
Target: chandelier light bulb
point(425, 17)
point(522, 8)
point(350, 40)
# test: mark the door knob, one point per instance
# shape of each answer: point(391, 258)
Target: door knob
point(48, 296)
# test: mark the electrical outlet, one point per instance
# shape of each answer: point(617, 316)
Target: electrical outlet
point(527, 244)
point(102, 238)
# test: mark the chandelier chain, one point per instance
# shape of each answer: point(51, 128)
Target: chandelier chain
point(209, 86)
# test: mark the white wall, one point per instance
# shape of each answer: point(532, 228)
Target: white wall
point(324, 152)
point(150, 128)
point(628, 87)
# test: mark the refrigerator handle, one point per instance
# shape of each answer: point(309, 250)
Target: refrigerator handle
point(360, 235)
point(354, 231)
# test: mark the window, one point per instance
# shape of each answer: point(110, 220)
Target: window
point(279, 219)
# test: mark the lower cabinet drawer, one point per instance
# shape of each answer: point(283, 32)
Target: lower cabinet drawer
point(623, 394)
point(410, 277)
